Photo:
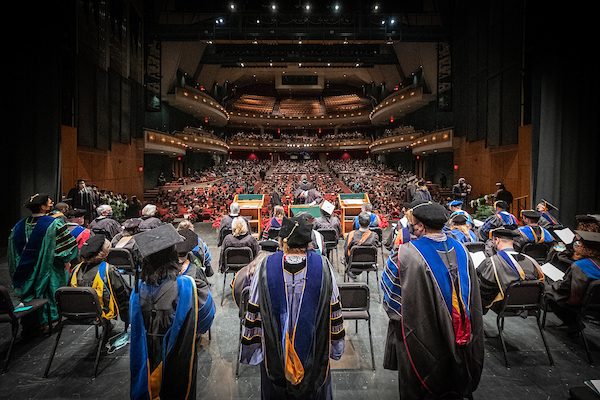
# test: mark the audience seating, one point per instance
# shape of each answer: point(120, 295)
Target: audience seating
point(242, 315)
point(364, 259)
point(236, 258)
point(355, 301)
point(8, 314)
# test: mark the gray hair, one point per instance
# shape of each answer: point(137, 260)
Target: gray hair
point(368, 207)
point(103, 208)
point(364, 219)
point(234, 208)
point(149, 210)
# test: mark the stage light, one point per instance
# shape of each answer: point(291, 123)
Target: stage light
point(273, 7)
point(336, 7)
point(232, 6)
point(392, 21)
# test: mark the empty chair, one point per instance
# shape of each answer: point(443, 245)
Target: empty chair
point(236, 258)
point(355, 300)
point(122, 259)
point(537, 251)
point(364, 259)
point(242, 314)
point(8, 314)
point(522, 299)
point(330, 241)
point(79, 306)
point(222, 234)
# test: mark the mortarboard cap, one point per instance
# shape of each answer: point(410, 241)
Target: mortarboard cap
point(501, 204)
point(549, 206)
point(36, 200)
point(132, 223)
point(296, 232)
point(503, 233)
point(432, 215)
point(588, 218)
point(190, 240)
point(328, 207)
point(531, 214)
point(75, 213)
point(157, 239)
point(92, 246)
point(590, 237)
point(459, 219)
point(454, 203)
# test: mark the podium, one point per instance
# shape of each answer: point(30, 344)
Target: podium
point(314, 211)
point(351, 205)
point(250, 208)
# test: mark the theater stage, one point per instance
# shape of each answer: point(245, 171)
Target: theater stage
point(529, 376)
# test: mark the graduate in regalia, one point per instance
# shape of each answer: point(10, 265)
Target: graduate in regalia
point(531, 232)
point(294, 322)
point(168, 312)
point(497, 272)
point(40, 252)
point(431, 295)
point(565, 296)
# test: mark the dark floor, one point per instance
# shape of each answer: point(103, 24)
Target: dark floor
point(529, 376)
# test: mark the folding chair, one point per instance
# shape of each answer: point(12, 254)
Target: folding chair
point(8, 314)
point(242, 314)
point(474, 247)
point(379, 232)
point(522, 298)
point(122, 259)
point(222, 234)
point(354, 298)
point(79, 306)
point(272, 243)
point(364, 259)
point(236, 258)
point(537, 251)
point(330, 241)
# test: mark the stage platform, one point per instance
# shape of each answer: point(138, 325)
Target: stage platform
point(529, 376)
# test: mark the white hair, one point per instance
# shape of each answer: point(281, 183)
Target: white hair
point(234, 208)
point(149, 210)
point(103, 208)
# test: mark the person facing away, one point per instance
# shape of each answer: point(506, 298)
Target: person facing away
point(497, 272)
point(75, 221)
point(531, 232)
point(226, 221)
point(104, 224)
point(374, 219)
point(239, 237)
point(168, 313)
point(566, 296)
point(40, 252)
point(362, 236)
point(294, 324)
point(93, 271)
point(432, 299)
point(328, 220)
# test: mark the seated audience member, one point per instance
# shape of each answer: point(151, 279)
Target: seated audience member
point(421, 193)
point(226, 221)
point(317, 243)
point(59, 211)
point(497, 272)
point(149, 219)
point(565, 296)
point(455, 207)
point(460, 230)
point(239, 237)
point(104, 224)
point(546, 219)
point(501, 218)
point(373, 218)
point(400, 233)
point(275, 222)
point(75, 221)
point(93, 271)
point(328, 220)
point(189, 263)
point(169, 312)
point(362, 236)
point(531, 232)
point(201, 250)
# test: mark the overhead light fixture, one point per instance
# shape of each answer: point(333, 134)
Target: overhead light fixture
point(232, 6)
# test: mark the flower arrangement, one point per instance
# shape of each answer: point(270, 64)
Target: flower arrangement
point(217, 222)
point(193, 217)
point(168, 218)
point(383, 222)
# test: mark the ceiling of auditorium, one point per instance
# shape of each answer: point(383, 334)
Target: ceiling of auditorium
point(248, 44)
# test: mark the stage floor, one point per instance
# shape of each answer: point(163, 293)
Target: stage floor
point(530, 376)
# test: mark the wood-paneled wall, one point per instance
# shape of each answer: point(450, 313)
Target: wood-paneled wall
point(483, 167)
point(116, 169)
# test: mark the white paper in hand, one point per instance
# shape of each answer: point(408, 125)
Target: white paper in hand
point(552, 272)
point(478, 258)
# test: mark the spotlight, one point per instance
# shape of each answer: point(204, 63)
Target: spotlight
point(232, 6)
point(392, 21)
point(307, 7)
point(273, 7)
point(336, 7)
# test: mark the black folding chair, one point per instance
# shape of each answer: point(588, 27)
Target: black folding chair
point(379, 232)
point(355, 300)
point(236, 258)
point(272, 243)
point(222, 233)
point(330, 241)
point(537, 251)
point(122, 259)
point(8, 314)
point(474, 247)
point(242, 314)
point(364, 259)
point(522, 299)
point(79, 306)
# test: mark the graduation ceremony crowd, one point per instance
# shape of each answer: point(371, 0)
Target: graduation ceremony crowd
point(445, 270)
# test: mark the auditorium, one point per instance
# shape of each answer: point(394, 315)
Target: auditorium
point(300, 200)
